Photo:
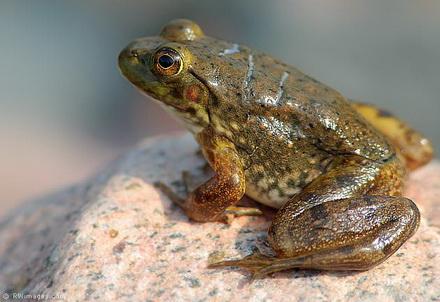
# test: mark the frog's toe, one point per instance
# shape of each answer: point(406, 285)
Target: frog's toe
point(188, 181)
point(258, 264)
point(243, 211)
point(233, 212)
point(251, 262)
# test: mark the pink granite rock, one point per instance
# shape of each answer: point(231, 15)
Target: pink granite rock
point(116, 238)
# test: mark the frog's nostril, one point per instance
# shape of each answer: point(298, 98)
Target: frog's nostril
point(124, 58)
point(128, 56)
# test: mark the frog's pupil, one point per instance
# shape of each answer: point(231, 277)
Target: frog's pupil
point(165, 61)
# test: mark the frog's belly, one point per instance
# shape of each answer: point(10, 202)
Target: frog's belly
point(272, 198)
point(275, 191)
point(275, 175)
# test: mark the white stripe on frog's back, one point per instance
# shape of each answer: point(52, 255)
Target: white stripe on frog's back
point(280, 92)
point(275, 100)
point(235, 48)
point(247, 89)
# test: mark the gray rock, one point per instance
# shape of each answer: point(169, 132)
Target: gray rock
point(115, 237)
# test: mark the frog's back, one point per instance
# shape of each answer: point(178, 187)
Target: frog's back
point(248, 85)
point(287, 126)
point(324, 116)
point(294, 127)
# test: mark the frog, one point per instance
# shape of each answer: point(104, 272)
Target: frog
point(331, 167)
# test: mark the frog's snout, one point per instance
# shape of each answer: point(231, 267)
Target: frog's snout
point(132, 63)
point(135, 56)
point(127, 58)
point(123, 55)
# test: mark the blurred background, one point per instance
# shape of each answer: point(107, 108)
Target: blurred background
point(65, 111)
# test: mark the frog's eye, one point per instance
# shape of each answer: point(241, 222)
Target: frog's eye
point(167, 62)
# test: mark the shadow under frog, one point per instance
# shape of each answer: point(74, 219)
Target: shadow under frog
point(333, 168)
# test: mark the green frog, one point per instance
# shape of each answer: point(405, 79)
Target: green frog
point(333, 168)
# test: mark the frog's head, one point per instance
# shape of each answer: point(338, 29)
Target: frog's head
point(181, 68)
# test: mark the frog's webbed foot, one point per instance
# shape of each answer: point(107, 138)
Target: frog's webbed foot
point(230, 213)
point(188, 182)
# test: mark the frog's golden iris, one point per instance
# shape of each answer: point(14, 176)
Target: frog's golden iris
point(167, 62)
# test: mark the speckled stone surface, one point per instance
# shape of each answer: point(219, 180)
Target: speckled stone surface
point(116, 238)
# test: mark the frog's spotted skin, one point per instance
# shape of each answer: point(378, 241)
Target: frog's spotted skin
point(286, 140)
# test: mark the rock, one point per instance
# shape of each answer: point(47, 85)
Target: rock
point(116, 237)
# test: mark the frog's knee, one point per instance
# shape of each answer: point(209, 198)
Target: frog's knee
point(407, 215)
point(397, 227)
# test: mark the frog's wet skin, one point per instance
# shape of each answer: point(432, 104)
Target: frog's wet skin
point(333, 168)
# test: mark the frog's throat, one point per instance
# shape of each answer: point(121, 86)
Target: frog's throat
point(191, 123)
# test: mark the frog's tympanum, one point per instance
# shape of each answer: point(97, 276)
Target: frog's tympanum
point(334, 168)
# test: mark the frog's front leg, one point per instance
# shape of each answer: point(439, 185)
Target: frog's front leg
point(345, 219)
point(209, 201)
point(230, 212)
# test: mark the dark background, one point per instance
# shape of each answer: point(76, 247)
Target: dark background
point(65, 111)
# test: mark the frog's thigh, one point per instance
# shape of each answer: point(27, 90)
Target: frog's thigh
point(336, 223)
point(349, 234)
point(415, 148)
point(209, 201)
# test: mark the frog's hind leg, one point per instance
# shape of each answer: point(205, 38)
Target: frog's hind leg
point(359, 234)
point(415, 148)
point(343, 220)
